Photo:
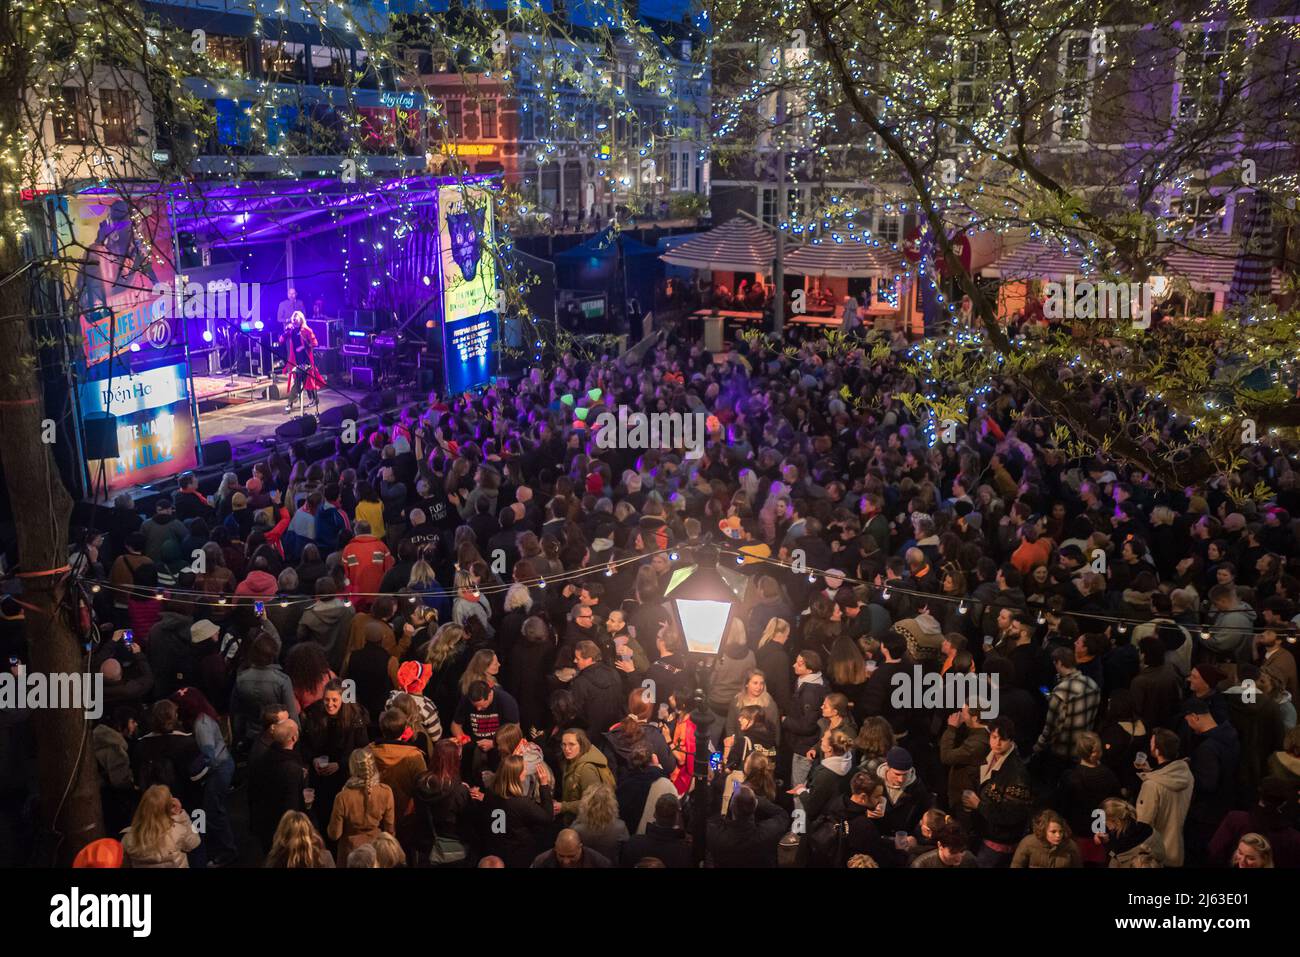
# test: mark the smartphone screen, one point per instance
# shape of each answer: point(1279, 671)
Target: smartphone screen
point(259, 607)
point(129, 636)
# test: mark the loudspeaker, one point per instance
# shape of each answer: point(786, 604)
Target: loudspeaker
point(217, 452)
point(101, 436)
point(363, 377)
point(333, 418)
point(297, 428)
point(329, 332)
point(379, 400)
point(327, 361)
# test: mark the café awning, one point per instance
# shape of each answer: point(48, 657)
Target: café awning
point(1036, 259)
point(738, 245)
point(856, 259)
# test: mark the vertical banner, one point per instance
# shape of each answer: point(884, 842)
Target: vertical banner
point(119, 252)
point(155, 427)
point(468, 273)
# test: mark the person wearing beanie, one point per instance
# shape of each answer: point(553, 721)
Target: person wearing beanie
point(1214, 754)
point(105, 852)
point(906, 795)
point(412, 678)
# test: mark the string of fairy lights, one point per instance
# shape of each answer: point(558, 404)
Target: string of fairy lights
point(965, 603)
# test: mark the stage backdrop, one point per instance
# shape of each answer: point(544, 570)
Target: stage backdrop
point(155, 430)
point(468, 274)
point(117, 250)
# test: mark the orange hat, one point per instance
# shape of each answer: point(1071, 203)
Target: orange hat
point(106, 852)
point(413, 676)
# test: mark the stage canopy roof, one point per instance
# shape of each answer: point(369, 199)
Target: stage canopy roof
point(740, 245)
point(222, 213)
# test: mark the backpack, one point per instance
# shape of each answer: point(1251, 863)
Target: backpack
point(826, 840)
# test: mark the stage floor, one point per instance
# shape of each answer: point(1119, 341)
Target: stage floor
point(245, 423)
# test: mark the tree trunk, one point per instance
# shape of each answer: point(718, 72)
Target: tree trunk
point(69, 808)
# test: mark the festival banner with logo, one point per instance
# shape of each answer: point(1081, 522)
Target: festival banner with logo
point(119, 250)
point(155, 428)
point(467, 263)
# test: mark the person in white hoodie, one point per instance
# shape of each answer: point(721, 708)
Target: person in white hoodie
point(1166, 793)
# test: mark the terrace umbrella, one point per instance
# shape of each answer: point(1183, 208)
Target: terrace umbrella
point(1252, 274)
point(738, 245)
point(843, 260)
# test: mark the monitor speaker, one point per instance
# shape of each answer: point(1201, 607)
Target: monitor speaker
point(297, 428)
point(101, 436)
point(217, 452)
point(334, 418)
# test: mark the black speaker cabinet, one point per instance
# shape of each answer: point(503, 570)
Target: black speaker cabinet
point(101, 436)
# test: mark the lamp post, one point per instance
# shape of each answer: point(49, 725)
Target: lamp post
point(702, 604)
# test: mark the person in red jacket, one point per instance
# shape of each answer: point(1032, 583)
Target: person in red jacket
point(259, 583)
point(365, 559)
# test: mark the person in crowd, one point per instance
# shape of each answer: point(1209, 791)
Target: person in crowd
point(161, 833)
point(1166, 794)
point(951, 849)
point(297, 844)
point(663, 840)
point(747, 836)
point(517, 824)
point(1049, 844)
point(1001, 805)
point(277, 783)
point(363, 808)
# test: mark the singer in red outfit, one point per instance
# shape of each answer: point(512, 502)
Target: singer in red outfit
point(300, 364)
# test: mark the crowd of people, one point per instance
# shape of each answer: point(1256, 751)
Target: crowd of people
point(449, 645)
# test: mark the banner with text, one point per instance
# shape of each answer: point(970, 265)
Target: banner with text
point(468, 273)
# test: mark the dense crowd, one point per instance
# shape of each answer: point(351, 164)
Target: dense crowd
point(448, 643)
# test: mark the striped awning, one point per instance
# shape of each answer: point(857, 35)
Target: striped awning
point(829, 258)
point(1037, 259)
point(1209, 264)
point(739, 245)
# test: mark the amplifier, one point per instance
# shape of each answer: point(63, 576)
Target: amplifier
point(387, 341)
point(355, 349)
point(329, 332)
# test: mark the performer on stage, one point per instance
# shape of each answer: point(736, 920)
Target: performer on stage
point(300, 364)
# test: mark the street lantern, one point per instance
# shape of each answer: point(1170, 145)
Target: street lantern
point(702, 602)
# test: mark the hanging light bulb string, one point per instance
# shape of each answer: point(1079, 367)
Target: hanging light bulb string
point(203, 599)
point(963, 602)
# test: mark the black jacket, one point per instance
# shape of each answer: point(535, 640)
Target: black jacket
point(523, 830)
point(800, 730)
point(1005, 802)
point(774, 661)
point(751, 843)
point(666, 843)
point(599, 697)
point(275, 783)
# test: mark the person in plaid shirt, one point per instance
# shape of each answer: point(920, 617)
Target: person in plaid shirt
point(1071, 709)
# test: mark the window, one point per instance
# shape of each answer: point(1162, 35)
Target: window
point(1203, 209)
point(329, 65)
point(118, 112)
point(888, 227)
point(487, 110)
point(527, 123)
point(973, 87)
point(1076, 70)
point(230, 52)
point(455, 118)
point(70, 115)
point(284, 61)
point(768, 203)
point(1205, 60)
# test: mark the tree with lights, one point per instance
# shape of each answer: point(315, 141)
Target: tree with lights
point(1085, 127)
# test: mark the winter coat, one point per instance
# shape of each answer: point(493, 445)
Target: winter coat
point(1140, 841)
point(581, 775)
point(112, 757)
point(729, 678)
point(1236, 643)
point(328, 623)
point(1157, 694)
point(255, 689)
point(1213, 758)
point(599, 697)
point(1163, 803)
point(774, 661)
point(1033, 851)
point(176, 843)
point(275, 782)
point(358, 819)
point(962, 751)
point(171, 653)
point(800, 730)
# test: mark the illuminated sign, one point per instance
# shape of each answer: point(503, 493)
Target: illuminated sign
point(401, 101)
point(155, 428)
point(468, 149)
point(468, 274)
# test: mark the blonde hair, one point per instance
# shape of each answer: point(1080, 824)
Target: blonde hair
point(598, 808)
point(446, 640)
point(388, 853)
point(1260, 844)
point(775, 626)
point(508, 782)
point(1118, 813)
point(862, 860)
point(296, 843)
point(759, 776)
point(363, 772)
point(477, 669)
point(152, 821)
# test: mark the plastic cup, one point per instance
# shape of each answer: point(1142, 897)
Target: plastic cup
point(900, 840)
